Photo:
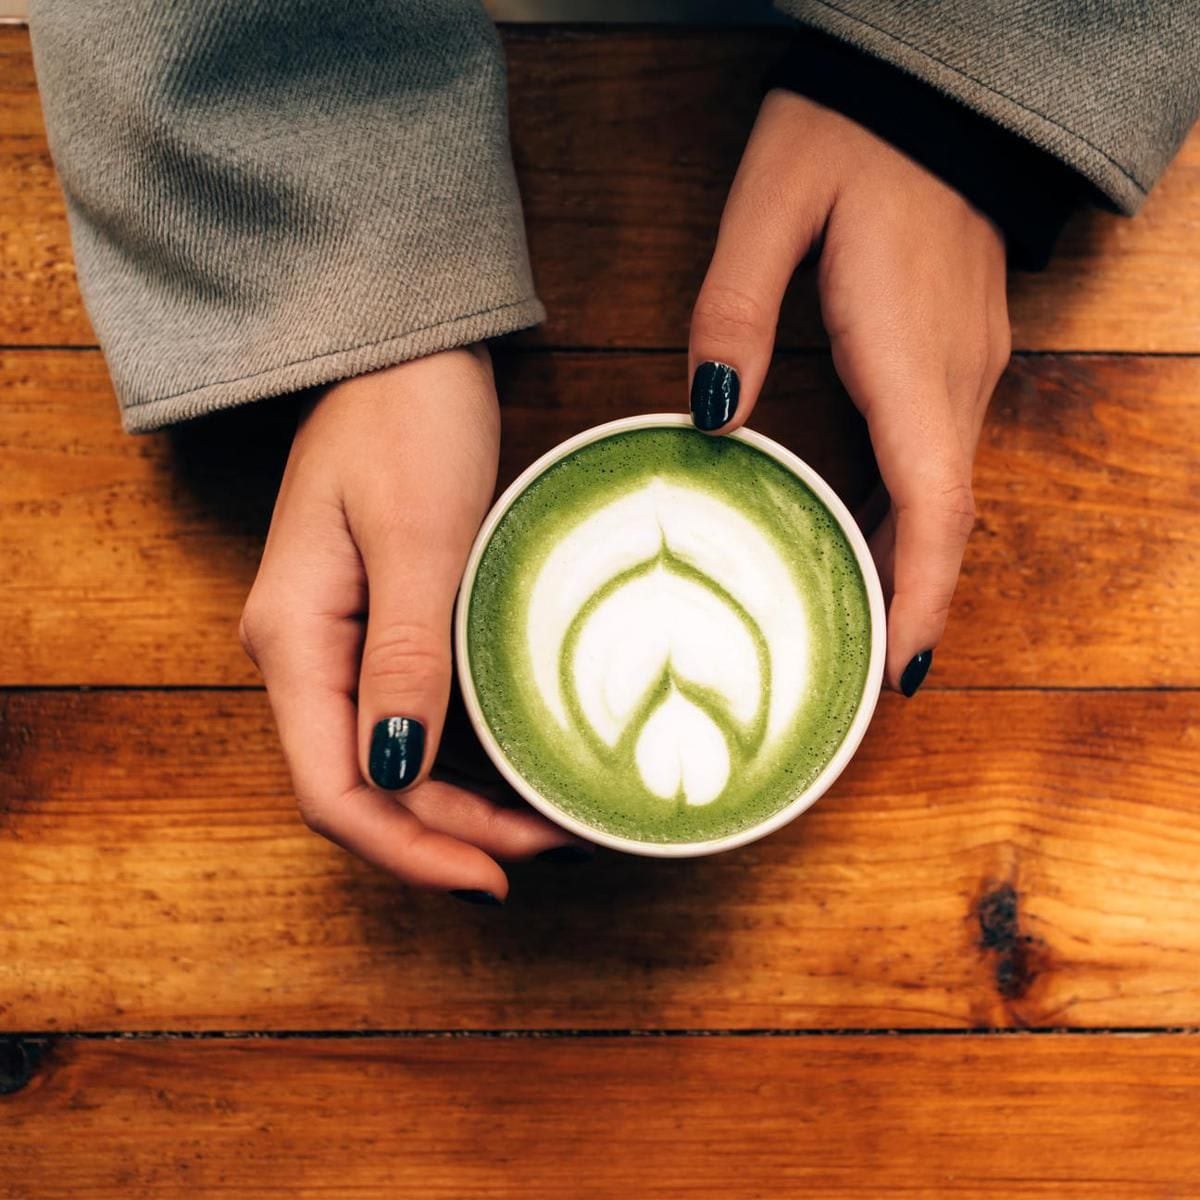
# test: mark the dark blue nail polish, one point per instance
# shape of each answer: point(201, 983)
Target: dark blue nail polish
point(914, 674)
point(714, 395)
point(473, 896)
point(566, 856)
point(397, 747)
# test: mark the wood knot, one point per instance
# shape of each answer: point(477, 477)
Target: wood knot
point(19, 1059)
point(1000, 932)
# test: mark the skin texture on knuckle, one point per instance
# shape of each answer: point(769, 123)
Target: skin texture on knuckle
point(246, 641)
point(410, 658)
point(936, 608)
point(728, 316)
point(775, 197)
point(926, 602)
point(316, 814)
point(969, 368)
point(1001, 350)
point(255, 629)
point(944, 508)
point(953, 510)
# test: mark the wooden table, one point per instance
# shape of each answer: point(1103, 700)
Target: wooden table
point(972, 971)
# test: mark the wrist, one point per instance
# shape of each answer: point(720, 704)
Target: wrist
point(1027, 193)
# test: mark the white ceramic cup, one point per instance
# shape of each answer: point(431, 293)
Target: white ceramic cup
point(871, 685)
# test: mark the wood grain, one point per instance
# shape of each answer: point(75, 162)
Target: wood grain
point(126, 560)
point(989, 859)
point(625, 143)
point(39, 297)
point(927, 1118)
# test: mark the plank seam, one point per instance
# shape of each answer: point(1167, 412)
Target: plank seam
point(548, 1034)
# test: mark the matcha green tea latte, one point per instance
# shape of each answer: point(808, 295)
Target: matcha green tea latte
point(670, 643)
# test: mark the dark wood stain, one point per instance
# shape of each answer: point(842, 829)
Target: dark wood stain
point(1000, 934)
point(20, 1058)
point(155, 875)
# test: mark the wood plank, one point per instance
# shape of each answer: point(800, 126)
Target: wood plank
point(39, 297)
point(622, 220)
point(126, 560)
point(921, 1117)
point(989, 859)
point(625, 143)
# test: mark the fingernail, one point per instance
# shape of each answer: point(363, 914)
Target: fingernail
point(566, 856)
point(914, 674)
point(714, 395)
point(471, 896)
point(397, 746)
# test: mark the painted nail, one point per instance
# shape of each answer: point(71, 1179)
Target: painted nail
point(914, 674)
point(566, 856)
point(714, 395)
point(397, 747)
point(472, 896)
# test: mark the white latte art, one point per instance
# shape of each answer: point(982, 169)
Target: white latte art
point(678, 586)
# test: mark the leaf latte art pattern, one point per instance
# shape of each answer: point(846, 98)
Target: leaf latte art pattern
point(666, 637)
point(667, 630)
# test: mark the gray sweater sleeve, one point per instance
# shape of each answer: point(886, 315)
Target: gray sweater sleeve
point(267, 195)
point(1108, 87)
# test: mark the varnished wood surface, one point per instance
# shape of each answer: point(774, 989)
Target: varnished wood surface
point(129, 558)
point(1014, 848)
point(625, 144)
point(989, 859)
point(925, 1118)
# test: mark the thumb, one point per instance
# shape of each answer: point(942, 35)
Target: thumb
point(413, 526)
point(404, 680)
point(772, 217)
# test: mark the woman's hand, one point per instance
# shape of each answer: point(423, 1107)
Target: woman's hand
point(349, 619)
point(912, 283)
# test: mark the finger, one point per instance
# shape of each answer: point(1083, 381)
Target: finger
point(509, 834)
point(405, 678)
point(882, 544)
point(772, 217)
point(873, 509)
point(309, 667)
point(928, 475)
point(318, 730)
point(928, 446)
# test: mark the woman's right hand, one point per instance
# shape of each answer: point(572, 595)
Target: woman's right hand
point(912, 282)
point(349, 620)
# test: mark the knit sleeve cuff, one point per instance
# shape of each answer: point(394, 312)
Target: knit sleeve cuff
point(311, 372)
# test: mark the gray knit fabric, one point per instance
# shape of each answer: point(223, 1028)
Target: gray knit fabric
point(266, 195)
point(1110, 87)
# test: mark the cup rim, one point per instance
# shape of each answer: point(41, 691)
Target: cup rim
point(872, 684)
